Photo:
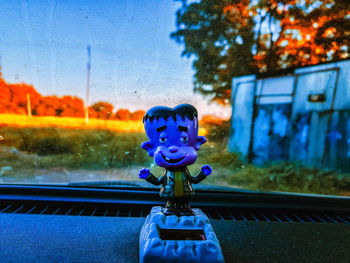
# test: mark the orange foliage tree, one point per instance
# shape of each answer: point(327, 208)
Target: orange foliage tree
point(13, 99)
point(230, 38)
point(66, 106)
point(300, 33)
point(122, 114)
point(137, 115)
point(101, 110)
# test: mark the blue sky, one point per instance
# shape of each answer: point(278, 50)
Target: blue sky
point(135, 64)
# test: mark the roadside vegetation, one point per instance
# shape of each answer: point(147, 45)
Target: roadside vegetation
point(32, 149)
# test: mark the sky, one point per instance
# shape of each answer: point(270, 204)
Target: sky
point(134, 62)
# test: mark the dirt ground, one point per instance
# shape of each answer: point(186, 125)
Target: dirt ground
point(64, 176)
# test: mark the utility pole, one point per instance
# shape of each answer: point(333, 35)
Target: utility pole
point(88, 84)
point(29, 108)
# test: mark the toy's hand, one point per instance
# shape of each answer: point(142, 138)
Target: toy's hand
point(144, 173)
point(206, 169)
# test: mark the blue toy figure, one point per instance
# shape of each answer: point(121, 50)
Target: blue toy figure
point(173, 143)
point(176, 233)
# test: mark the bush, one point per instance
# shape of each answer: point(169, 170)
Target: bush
point(46, 145)
point(93, 149)
point(106, 149)
point(290, 177)
point(44, 141)
point(218, 132)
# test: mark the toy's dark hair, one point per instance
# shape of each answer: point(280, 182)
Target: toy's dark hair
point(184, 110)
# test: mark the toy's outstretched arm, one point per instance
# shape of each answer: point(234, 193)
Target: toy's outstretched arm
point(205, 171)
point(149, 177)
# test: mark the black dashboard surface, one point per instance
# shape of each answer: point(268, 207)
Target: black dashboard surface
point(58, 238)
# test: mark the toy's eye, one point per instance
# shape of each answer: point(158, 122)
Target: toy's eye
point(184, 139)
point(162, 139)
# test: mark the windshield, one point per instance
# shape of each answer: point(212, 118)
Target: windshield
point(269, 79)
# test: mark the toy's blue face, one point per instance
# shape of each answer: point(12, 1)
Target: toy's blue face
point(173, 143)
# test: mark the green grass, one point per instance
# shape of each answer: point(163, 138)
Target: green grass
point(88, 149)
point(47, 148)
point(290, 177)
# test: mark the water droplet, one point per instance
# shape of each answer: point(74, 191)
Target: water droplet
point(243, 166)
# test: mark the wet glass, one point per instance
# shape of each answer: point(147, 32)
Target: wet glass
point(268, 78)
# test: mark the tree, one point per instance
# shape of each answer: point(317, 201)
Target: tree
point(122, 114)
point(137, 115)
point(230, 38)
point(220, 39)
point(101, 110)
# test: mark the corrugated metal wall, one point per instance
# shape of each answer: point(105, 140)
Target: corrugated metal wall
point(273, 119)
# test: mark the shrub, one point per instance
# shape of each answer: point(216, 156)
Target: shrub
point(290, 177)
point(218, 132)
point(47, 142)
point(106, 149)
point(80, 148)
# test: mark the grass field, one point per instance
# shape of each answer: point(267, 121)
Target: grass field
point(63, 155)
point(70, 122)
point(14, 120)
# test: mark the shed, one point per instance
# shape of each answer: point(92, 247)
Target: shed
point(299, 116)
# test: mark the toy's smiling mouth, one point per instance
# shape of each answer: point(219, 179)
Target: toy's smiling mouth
point(172, 160)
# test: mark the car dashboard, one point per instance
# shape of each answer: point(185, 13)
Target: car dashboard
point(102, 224)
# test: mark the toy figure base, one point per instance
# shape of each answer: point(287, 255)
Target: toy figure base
point(184, 212)
point(178, 239)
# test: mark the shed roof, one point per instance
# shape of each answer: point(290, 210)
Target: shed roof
point(289, 71)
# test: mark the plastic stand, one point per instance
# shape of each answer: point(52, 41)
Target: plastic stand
point(178, 239)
